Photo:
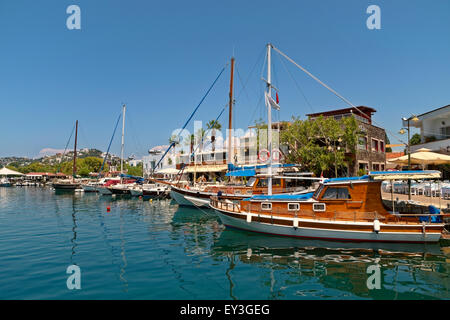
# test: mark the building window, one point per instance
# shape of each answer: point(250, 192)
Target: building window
point(382, 167)
point(375, 145)
point(362, 143)
point(375, 166)
point(382, 146)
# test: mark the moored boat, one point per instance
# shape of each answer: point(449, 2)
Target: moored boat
point(342, 209)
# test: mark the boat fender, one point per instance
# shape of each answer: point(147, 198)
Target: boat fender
point(295, 223)
point(376, 225)
point(249, 217)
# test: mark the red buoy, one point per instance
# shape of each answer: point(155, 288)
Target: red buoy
point(108, 209)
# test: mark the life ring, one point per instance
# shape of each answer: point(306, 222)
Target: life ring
point(280, 155)
point(261, 152)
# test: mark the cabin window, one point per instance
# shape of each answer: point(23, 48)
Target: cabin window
point(336, 194)
point(318, 191)
point(262, 183)
point(319, 207)
point(276, 182)
point(251, 182)
point(237, 191)
point(266, 206)
point(293, 206)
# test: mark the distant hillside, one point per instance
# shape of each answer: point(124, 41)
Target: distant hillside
point(18, 162)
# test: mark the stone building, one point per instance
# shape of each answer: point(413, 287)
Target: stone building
point(371, 149)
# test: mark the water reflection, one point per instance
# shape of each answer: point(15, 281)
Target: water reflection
point(339, 266)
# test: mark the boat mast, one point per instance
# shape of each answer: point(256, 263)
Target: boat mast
point(269, 120)
point(230, 114)
point(123, 142)
point(74, 170)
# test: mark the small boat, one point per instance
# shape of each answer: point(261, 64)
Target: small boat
point(104, 189)
point(341, 209)
point(4, 182)
point(155, 191)
point(136, 190)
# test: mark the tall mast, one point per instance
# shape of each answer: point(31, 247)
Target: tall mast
point(269, 120)
point(230, 115)
point(123, 142)
point(74, 170)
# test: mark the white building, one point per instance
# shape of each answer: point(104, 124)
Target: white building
point(168, 165)
point(434, 128)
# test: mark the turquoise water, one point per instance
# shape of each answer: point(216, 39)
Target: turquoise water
point(157, 250)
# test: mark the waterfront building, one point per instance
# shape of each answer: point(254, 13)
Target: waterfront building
point(371, 149)
point(434, 128)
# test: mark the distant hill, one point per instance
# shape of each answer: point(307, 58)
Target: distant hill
point(51, 160)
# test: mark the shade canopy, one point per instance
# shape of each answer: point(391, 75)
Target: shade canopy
point(241, 173)
point(8, 172)
point(423, 156)
point(405, 175)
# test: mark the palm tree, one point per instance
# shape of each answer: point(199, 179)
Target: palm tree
point(213, 126)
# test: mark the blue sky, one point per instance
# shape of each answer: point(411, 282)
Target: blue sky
point(159, 57)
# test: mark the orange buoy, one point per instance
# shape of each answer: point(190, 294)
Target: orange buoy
point(140, 197)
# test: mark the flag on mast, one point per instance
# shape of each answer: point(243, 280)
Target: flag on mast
point(271, 102)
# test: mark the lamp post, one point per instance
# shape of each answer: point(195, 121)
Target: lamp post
point(402, 131)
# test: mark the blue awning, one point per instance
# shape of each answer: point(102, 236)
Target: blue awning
point(242, 173)
point(294, 197)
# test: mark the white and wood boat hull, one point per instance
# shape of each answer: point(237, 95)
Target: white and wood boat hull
point(342, 231)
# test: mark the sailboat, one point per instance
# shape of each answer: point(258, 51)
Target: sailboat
point(70, 185)
point(341, 209)
point(199, 196)
point(121, 188)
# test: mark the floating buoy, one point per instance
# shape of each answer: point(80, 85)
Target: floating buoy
point(151, 200)
point(140, 197)
point(108, 209)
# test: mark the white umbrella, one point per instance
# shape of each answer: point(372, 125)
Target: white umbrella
point(8, 172)
point(423, 156)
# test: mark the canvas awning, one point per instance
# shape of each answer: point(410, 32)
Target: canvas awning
point(242, 173)
point(423, 156)
point(405, 175)
point(206, 168)
point(168, 171)
point(8, 172)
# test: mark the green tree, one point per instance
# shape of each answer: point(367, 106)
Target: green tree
point(321, 144)
point(135, 171)
point(415, 139)
point(213, 126)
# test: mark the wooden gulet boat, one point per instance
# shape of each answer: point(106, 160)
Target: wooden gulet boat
point(200, 196)
point(342, 209)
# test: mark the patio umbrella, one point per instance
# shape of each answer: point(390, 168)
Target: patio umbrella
point(8, 172)
point(423, 157)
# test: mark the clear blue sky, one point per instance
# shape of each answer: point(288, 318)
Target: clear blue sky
point(159, 57)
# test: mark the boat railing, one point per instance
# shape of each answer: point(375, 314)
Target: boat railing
point(225, 205)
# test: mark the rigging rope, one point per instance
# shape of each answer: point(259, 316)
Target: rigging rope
point(330, 89)
point(189, 119)
point(67, 144)
point(107, 151)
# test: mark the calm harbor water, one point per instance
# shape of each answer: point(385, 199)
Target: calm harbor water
point(157, 250)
